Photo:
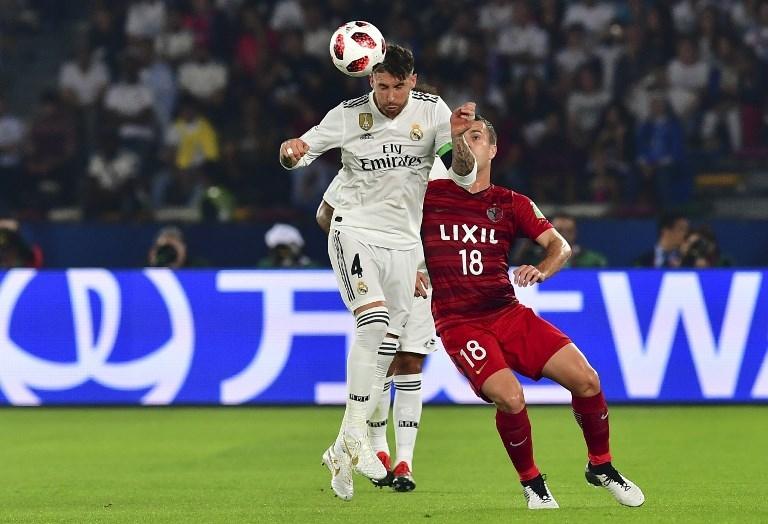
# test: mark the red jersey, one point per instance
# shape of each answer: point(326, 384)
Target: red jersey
point(467, 239)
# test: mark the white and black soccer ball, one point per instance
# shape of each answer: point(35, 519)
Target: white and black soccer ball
point(356, 47)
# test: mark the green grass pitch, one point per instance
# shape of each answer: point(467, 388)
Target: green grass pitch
point(262, 465)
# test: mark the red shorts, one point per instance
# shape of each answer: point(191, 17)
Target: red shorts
point(514, 338)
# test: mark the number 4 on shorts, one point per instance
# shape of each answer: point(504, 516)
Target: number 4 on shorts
point(356, 268)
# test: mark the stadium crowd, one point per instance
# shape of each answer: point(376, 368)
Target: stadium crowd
point(184, 102)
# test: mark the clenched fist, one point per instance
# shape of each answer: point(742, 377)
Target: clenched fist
point(292, 150)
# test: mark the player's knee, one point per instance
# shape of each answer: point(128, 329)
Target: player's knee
point(408, 363)
point(373, 323)
point(588, 384)
point(509, 401)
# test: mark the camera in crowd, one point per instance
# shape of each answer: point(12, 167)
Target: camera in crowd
point(700, 249)
point(169, 249)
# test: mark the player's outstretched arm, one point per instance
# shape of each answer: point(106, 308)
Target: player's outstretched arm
point(463, 161)
point(558, 251)
point(292, 151)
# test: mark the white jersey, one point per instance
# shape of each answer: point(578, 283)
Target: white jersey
point(379, 190)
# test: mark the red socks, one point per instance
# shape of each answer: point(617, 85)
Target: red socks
point(592, 415)
point(515, 432)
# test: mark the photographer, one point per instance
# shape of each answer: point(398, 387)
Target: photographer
point(14, 250)
point(169, 249)
point(286, 249)
point(700, 249)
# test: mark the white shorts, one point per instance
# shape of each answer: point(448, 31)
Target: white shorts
point(367, 273)
point(419, 333)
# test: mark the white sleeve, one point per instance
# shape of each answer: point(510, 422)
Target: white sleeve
point(443, 124)
point(326, 135)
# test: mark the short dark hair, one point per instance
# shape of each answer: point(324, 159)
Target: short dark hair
point(426, 88)
point(398, 62)
point(668, 220)
point(492, 136)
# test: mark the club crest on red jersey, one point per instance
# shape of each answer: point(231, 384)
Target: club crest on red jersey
point(494, 213)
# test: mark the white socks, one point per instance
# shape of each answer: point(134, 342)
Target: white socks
point(407, 415)
point(361, 368)
point(377, 422)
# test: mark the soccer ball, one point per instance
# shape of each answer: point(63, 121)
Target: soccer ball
point(356, 47)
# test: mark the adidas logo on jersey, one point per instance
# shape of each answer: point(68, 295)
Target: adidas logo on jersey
point(366, 136)
point(473, 234)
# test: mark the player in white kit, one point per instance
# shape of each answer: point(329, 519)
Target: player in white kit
point(388, 140)
point(404, 371)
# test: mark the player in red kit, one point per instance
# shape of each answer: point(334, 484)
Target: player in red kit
point(467, 234)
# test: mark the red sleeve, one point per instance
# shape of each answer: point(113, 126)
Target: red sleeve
point(528, 220)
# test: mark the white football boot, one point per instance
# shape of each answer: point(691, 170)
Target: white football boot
point(362, 456)
point(537, 494)
point(622, 489)
point(339, 465)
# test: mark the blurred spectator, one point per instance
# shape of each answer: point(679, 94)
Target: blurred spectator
point(529, 252)
point(688, 77)
point(112, 185)
point(454, 43)
point(193, 146)
point(661, 156)
point(255, 43)
point(551, 164)
point(15, 251)
point(673, 229)
point(145, 18)
point(632, 65)
point(659, 34)
point(724, 112)
point(594, 16)
point(11, 144)
point(129, 105)
point(208, 27)
point(176, 42)
point(580, 256)
point(585, 105)
point(612, 152)
point(574, 55)
point(496, 15)
point(158, 77)
point(757, 36)
point(50, 155)
point(288, 14)
point(531, 104)
point(205, 79)
point(82, 81)
point(286, 246)
point(317, 33)
point(168, 250)
point(523, 43)
point(700, 250)
point(106, 37)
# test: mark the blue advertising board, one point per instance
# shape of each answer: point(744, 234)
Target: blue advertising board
point(96, 336)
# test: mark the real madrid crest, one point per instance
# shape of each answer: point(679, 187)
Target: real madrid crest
point(362, 288)
point(494, 213)
point(416, 132)
point(365, 120)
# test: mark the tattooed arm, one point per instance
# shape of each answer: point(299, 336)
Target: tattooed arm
point(463, 161)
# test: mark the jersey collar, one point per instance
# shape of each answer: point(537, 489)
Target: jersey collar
point(375, 108)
